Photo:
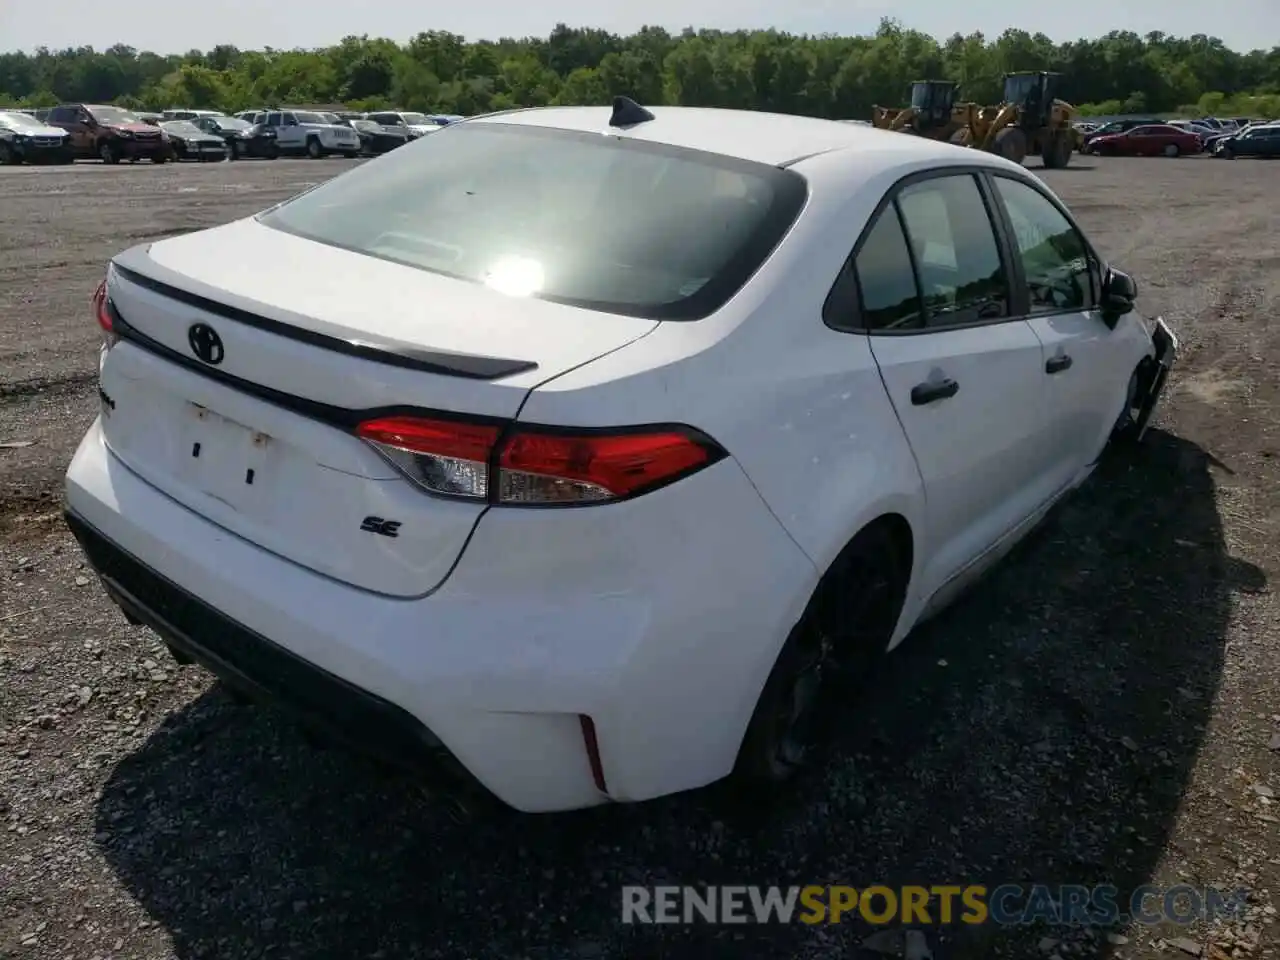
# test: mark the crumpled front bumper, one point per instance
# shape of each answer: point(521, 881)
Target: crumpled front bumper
point(1154, 375)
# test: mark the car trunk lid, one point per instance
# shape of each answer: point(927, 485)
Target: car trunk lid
point(258, 435)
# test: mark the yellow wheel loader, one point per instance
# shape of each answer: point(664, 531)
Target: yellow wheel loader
point(1031, 120)
point(934, 111)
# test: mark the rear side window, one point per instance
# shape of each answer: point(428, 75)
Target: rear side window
point(954, 247)
point(886, 281)
point(614, 225)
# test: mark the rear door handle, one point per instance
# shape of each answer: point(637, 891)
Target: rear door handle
point(924, 393)
point(1057, 364)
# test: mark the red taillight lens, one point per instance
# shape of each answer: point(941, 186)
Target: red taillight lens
point(102, 313)
point(545, 468)
point(537, 466)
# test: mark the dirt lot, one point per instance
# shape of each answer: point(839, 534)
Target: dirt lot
point(1104, 709)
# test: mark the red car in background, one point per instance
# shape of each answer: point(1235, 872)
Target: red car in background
point(1153, 140)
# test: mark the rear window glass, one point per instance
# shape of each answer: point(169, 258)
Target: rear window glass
point(615, 225)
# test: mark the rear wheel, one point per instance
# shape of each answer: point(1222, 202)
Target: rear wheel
point(1171, 150)
point(1226, 153)
point(7, 155)
point(1011, 143)
point(233, 150)
point(272, 151)
point(846, 628)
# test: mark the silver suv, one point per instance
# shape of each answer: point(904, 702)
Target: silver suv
point(303, 131)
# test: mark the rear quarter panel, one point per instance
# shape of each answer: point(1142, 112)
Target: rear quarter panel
point(800, 406)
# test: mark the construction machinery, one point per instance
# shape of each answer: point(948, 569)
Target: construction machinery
point(1031, 120)
point(934, 112)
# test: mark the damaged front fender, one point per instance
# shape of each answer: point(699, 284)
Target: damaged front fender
point(1153, 375)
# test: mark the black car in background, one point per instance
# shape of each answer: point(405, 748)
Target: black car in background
point(23, 138)
point(242, 138)
point(1258, 141)
point(376, 138)
point(189, 142)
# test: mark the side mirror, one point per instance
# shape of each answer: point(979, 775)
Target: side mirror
point(1119, 295)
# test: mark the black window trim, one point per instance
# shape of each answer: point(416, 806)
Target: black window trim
point(1019, 301)
point(1097, 265)
point(995, 216)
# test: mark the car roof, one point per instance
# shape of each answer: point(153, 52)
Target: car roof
point(773, 138)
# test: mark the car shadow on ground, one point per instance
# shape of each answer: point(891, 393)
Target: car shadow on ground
point(1042, 730)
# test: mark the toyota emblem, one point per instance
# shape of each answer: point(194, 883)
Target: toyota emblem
point(205, 343)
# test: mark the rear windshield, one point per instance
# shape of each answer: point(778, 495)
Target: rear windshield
point(615, 225)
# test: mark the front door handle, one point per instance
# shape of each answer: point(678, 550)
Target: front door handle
point(1057, 364)
point(924, 393)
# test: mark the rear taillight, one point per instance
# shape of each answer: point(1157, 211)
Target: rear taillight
point(102, 313)
point(535, 465)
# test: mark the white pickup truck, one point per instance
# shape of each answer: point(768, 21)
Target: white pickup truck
point(301, 131)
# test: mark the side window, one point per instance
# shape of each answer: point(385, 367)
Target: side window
point(880, 277)
point(954, 245)
point(60, 115)
point(273, 120)
point(890, 296)
point(1055, 258)
point(289, 120)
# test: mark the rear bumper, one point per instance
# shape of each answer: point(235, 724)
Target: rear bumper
point(658, 621)
point(266, 671)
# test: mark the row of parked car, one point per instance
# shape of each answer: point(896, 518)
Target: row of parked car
point(1228, 139)
point(109, 133)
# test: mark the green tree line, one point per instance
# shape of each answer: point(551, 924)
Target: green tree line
point(826, 76)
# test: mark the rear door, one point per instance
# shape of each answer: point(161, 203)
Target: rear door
point(286, 135)
point(964, 375)
point(1261, 142)
point(70, 119)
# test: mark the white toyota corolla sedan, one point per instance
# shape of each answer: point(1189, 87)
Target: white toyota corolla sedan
point(656, 425)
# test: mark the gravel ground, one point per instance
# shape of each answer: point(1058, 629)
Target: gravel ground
point(1103, 709)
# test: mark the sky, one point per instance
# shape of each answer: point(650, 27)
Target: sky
point(253, 24)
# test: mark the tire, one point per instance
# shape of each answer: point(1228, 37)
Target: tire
point(108, 152)
point(162, 158)
point(272, 151)
point(1171, 150)
point(7, 156)
point(1226, 153)
point(829, 653)
point(1011, 143)
point(352, 154)
point(1056, 151)
point(314, 150)
point(233, 150)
